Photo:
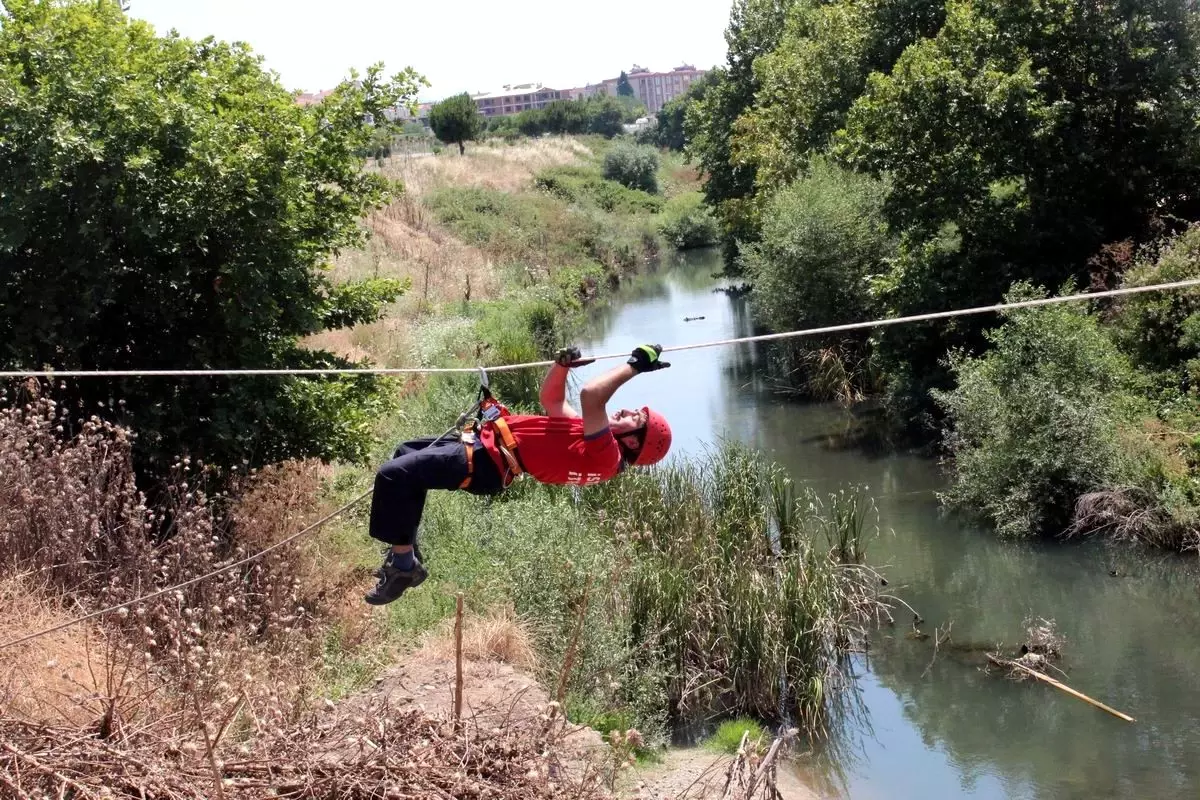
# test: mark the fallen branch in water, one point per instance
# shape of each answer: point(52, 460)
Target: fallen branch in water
point(1011, 664)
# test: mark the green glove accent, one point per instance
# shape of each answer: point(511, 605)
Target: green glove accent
point(645, 358)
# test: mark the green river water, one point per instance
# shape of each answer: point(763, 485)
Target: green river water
point(943, 728)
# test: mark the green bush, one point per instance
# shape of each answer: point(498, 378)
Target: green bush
point(584, 185)
point(632, 165)
point(728, 736)
point(687, 222)
point(1037, 421)
point(1161, 330)
point(823, 238)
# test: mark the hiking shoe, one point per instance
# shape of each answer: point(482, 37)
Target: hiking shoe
point(393, 582)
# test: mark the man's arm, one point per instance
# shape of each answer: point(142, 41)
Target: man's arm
point(596, 394)
point(554, 393)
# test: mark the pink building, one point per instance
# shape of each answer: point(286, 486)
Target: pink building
point(656, 89)
point(312, 98)
point(513, 99)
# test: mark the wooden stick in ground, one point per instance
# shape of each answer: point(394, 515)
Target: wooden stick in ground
point(218, 775)
point(1060, 685)
point(569, 660)
point(458, 661)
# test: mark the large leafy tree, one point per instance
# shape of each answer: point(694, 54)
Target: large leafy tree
point(1021, 139)
point(754, 30)
point(456, 120)
point(669, 129)
point(165, 203)
point(808, 83)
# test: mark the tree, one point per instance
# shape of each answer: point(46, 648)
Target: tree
point(808, 83)
point(605, 115)
point(823, 238)
point(167, 204)
point(670, 131)
point(754, 30)
point(1025, 136)
point(456, 120)
point(624, 87)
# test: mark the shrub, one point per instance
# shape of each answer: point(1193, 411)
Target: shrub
point(728, 735)
point(584, 185)
point(823, 237)
point(1037, 420)
point(71, 515)
point(1161, 330)
point(687, 222)
point(632, 165)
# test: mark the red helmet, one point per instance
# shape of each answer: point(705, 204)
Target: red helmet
point(656, 441)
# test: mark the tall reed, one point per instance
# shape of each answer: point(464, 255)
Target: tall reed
point(749, 592)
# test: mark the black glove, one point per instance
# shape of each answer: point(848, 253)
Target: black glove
point(645, 358)
point(567, 356)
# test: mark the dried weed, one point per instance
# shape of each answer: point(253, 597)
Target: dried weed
point(498, 635)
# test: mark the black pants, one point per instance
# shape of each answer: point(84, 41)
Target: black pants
point(415, 468)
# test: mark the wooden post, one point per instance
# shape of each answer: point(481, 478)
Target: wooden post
point(458, 664)
point(569, 659)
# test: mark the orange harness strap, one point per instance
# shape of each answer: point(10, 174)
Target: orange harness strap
point(468, 439)
point(508, 448)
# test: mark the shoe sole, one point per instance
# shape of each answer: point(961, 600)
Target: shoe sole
point(372, 601)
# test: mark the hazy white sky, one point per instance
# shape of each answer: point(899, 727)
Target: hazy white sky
point(471, 45)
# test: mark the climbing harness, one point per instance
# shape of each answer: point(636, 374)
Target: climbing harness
point(487, 412)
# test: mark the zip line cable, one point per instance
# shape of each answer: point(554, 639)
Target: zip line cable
point(852, 326)
point(1045, 301)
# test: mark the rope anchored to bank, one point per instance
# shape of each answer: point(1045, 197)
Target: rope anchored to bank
point(938, 315)
point(770, 337)
point(218, 571)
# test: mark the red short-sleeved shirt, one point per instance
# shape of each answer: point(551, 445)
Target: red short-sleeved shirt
point(554, 450)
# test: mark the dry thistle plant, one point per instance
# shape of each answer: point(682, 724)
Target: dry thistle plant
point(79, 535)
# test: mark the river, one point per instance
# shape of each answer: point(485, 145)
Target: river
point(934, 728)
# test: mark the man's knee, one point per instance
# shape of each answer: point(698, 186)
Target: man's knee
point(395, 471)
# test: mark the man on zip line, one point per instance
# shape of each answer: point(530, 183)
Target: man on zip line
point(562, 447)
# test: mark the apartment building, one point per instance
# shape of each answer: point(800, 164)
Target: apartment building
point(656, 89)
point(515, 98)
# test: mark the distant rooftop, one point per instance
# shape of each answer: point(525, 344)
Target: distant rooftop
point(509, 89)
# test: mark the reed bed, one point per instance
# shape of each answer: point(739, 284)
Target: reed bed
point(750, 592)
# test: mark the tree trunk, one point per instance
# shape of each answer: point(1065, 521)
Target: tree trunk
point(462, 149)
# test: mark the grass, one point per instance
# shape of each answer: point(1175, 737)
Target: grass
point(727, 738)
point(764, 578)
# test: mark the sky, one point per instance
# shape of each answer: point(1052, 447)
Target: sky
point(470, 45)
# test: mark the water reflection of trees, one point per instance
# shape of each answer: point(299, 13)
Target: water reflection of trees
point(688, 271)
point(1120, 648)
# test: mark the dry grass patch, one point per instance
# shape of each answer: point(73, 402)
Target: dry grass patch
point(506, 168)
point(497, 635)
point(67, 676)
